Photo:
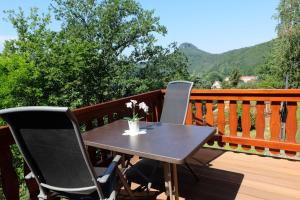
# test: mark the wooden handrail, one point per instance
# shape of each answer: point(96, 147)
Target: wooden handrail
point(90, 112)
point(292, 95)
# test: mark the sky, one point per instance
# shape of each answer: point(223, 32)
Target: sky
point(215, 26)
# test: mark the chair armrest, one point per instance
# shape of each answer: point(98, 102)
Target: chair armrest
point(30, 175)
point(110, 169)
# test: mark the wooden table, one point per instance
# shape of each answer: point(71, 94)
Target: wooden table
point(169, 143)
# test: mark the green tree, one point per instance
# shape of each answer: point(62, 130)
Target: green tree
point(199, 82)
point(234, 78)
point(285, 58)
point(168, 64)
point(104, 50)
point(19, 82)
point(213, 76)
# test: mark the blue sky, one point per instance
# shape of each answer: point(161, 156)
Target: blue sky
point(214, 26)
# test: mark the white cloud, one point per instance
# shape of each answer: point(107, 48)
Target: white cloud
point(3, 38)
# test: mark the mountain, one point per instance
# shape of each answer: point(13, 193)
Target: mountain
point(247, 59)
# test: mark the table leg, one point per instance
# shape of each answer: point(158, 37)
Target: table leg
point(168, 182)
point(175, 182)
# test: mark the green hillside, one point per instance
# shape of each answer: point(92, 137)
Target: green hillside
point(246, 59)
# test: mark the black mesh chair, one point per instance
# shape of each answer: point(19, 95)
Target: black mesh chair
point(51, 144)
point(176, 102)
point(174, 111)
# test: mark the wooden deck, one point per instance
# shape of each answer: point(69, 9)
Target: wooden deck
point(240, 176)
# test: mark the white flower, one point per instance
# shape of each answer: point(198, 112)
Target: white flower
point(129, 105)
point(133, 102)
point(143, 106)
point(146, 108)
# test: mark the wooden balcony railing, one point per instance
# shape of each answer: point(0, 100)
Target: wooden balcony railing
point(224, 109)
point(260, 106)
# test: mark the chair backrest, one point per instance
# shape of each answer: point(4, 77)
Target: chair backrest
point(50, 141)
point(176, 102)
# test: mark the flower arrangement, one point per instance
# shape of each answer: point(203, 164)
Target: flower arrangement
point(133, 104)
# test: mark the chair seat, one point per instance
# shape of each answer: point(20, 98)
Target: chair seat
point(91, 194)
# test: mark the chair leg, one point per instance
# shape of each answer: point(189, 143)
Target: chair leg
point(42, 195)
point(125, 184)
point(191, 171)
point(201, 162)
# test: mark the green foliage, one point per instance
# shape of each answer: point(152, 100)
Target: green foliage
point(169, 64)
point(288, 57)
point(199, 82)
point(19, 81)
point(285, 57)
point(104, 50)
point(214, 76)
point(249, 85)
point(234, 77)
point(247, 60)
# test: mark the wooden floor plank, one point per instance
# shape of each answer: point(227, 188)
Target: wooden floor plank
point(246, 197)
point(240, 176)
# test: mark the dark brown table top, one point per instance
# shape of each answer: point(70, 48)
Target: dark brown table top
point(164, 142)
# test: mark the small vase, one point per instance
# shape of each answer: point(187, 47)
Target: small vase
point(134, 126)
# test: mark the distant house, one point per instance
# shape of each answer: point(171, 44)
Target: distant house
point(216, 85)
point(247, 79)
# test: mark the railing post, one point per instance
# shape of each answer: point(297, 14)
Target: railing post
point(10, 183)
point(291, 125)
point(31, 184)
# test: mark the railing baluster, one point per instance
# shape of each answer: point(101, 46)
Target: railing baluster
point(233, 121)
point(246, 122)
point(88, 125)
point(10, 184)
point(209, 113)
point(149, 117)
point(221, 120)
point(260, 123)
point(209, 117)
point(109, 118)
point(100, 121)
point(157, 110)
point(189, 115)
point(275, 124)
point(198, 114)
point(291, 125)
